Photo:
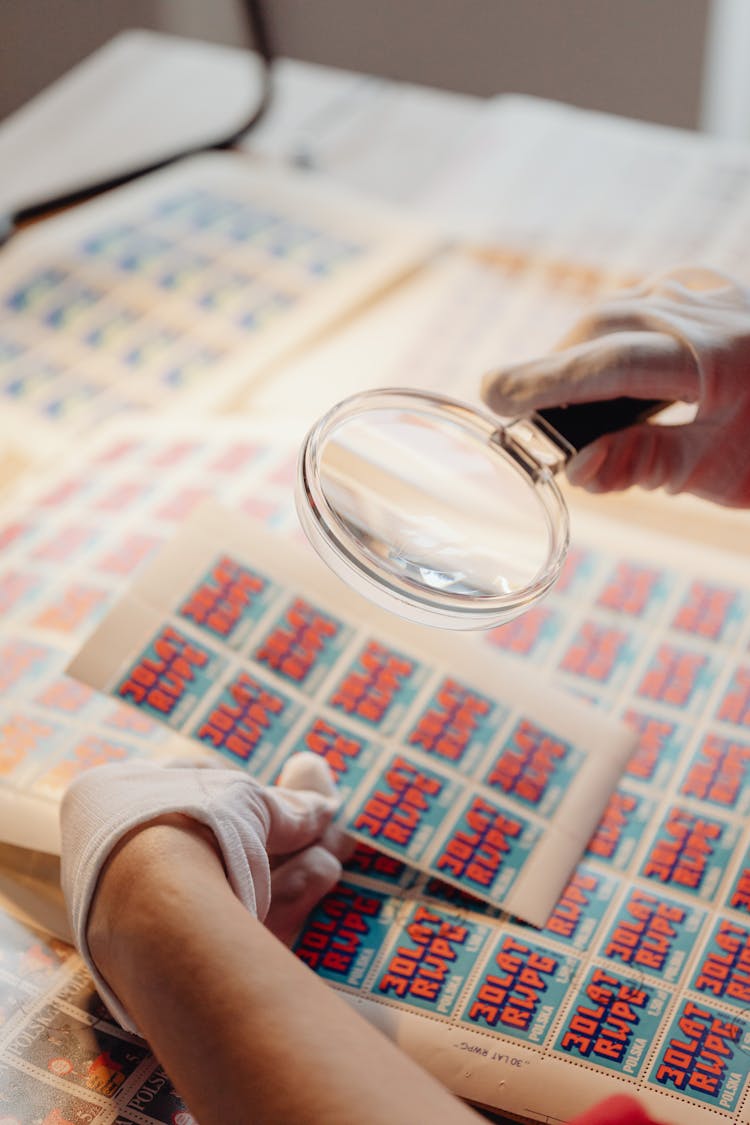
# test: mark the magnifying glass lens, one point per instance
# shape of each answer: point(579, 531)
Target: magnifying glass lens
point(413, 501)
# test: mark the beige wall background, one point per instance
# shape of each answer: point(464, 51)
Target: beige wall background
point(640, 58)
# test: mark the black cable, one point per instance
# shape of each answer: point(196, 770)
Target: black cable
point(12, 222)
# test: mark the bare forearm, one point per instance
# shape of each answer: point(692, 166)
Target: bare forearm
point(243, 1028)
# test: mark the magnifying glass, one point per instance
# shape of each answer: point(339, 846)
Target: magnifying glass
point(439, 512)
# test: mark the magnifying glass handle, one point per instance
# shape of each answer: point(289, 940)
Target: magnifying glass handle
point(580, 423)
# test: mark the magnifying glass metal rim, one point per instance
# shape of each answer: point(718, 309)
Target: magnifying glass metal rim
point(335, 544)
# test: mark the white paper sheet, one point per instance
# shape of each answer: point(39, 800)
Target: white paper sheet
point(570, 186)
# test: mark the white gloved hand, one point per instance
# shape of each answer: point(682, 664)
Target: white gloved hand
point(277, 844)
point(682, 336)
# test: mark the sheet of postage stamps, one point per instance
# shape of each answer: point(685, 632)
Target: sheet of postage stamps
point(183, 287)
point(637, 978)
point(447, 759)
point(71, 537)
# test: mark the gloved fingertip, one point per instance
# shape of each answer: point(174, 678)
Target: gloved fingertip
point(584, 467)
point(311, 873)
point(308, 771)
point(297, 887)
point(326, 866)
point(338, 842)
point(496, 389)
point(297, 818)
point(489, 383)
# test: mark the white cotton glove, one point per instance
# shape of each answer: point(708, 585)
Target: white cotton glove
point(277, 843)
point(683, 336)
